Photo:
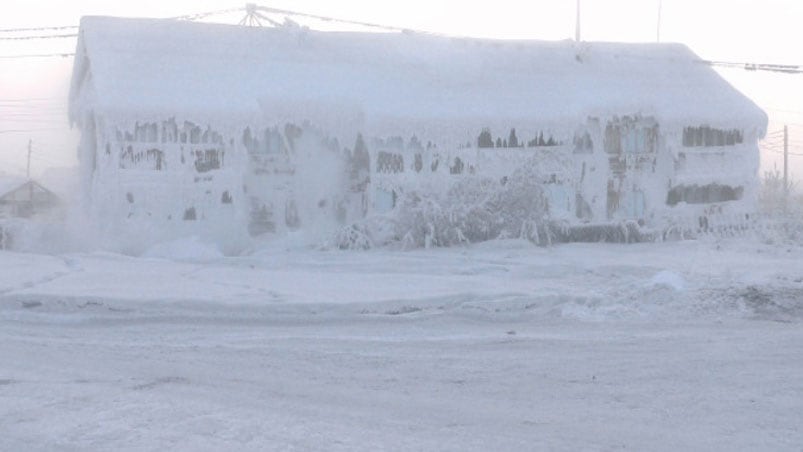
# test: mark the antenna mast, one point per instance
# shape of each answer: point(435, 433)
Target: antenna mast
point(658, 32)
point(28, 168)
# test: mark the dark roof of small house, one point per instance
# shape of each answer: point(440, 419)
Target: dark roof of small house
point(10, 184)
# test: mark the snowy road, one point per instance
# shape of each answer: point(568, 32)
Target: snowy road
point(496, 347)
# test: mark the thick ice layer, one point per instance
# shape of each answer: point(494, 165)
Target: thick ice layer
point(217, 131)
point(394, 79)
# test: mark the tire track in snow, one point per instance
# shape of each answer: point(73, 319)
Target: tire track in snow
point(72, 267)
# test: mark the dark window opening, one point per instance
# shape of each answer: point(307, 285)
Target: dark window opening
point(540, 141)
point(696, 194)
point(291, 217)
point(387, 162)
point(189, 214)
point(418, 165)
point(583, 144)
point(705, 136)
point(485, 140)
point(152, 159)
point(458, 166)
point(207, 160)
point(630, 136)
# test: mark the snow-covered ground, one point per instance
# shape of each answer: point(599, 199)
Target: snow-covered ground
point(694, 345)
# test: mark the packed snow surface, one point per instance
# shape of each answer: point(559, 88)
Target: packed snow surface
point(691, 345)
point(190, 248)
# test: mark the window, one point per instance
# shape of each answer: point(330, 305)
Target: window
point(150, 159)
point(207, 160)
point(696, 194)
point(583, 143)
point(705, 136)
point(387, 162)
point(631, 136)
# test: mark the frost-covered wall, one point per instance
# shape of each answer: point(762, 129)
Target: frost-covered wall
point(605, 169)
point(166, 179)
point(162, 178)
point(207, 129)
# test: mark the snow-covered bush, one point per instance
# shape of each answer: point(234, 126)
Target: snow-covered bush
point(781, 207)
point(474, 209)
point(773, 193)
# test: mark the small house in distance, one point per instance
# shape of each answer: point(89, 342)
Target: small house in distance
point(231, 130)
point(25, 198)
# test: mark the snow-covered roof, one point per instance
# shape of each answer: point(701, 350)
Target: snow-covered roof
point(9, 183)
point(140, 67)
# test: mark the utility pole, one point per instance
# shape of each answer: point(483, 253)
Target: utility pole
point(785, 166)
point(658, 32)
point(28, 169)
point(577, 25)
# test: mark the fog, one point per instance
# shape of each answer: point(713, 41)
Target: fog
point(401, 226)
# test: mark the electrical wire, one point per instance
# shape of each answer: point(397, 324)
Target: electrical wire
point(28, 130)
point(20, 30)
point(252, 10)
point(271, 10)
point(26, 38)
point(784, 68)
point(39, 55)
point(204, 15)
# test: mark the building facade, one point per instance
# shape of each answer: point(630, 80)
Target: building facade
point(227, 130)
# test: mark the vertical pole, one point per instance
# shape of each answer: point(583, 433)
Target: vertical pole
point(28, 168)
point(28, 174)
point(658, 32)
point(785, 166)
point(577, 25)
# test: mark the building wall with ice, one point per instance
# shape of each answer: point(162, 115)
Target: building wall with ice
point(208, 129)
point(604, 170)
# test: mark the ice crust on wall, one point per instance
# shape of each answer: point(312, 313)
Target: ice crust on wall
point(278, 115)
point(144, 67)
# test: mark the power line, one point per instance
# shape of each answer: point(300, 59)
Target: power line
point(28, 130)
point(75, 27)
point(30, 99)
point(26, 38)
point(780, 68)
point(38, 55)
point(789, 153)
point(271, 10)
point(199, 16)
point(19, 30)
point(781, 110)
point(253, 10)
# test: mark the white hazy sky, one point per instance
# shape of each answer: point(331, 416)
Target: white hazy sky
point(761, 31)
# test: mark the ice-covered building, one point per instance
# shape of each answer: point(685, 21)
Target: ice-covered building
point(217, 128)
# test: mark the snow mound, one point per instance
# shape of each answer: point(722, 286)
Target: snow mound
point(186, 249)
point(669, 280)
